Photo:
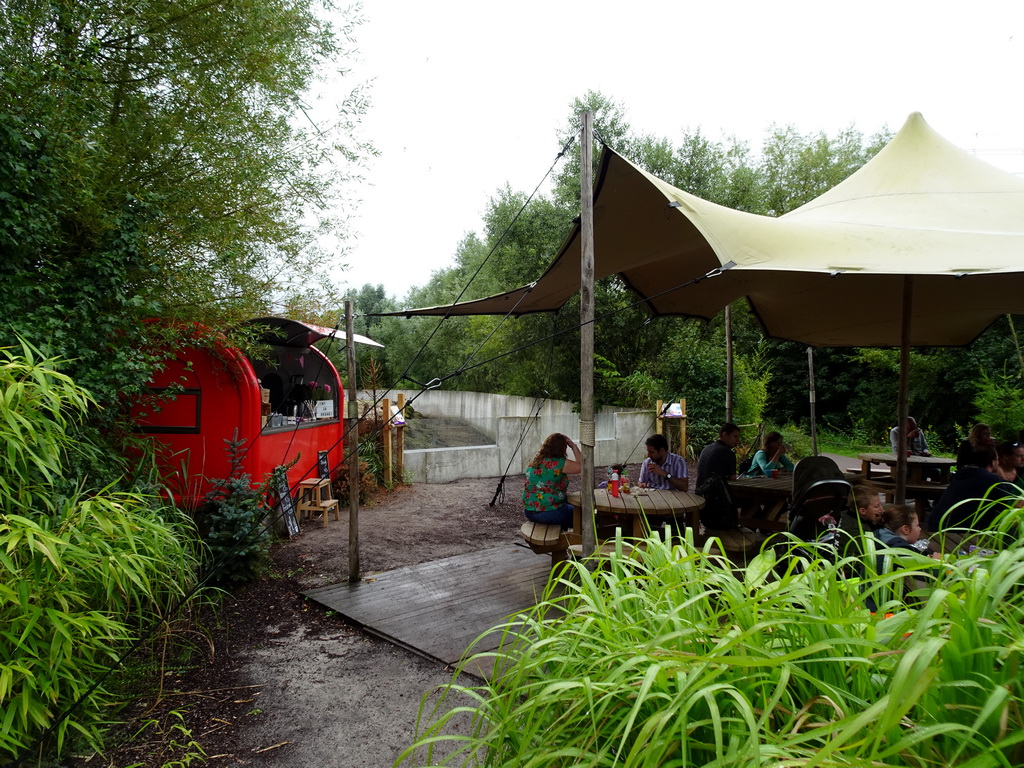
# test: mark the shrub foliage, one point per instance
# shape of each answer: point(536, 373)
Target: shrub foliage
point(82, 574)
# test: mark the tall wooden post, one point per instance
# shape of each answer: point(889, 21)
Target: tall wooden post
point(351, 448)
point(682, 428)
point(587, 431)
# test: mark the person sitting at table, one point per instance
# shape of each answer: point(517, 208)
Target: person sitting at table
point(917, 444)
point(547, 479)
point(1008, 464)
point(980, 434)
point(901, 530)
point(846, 538)
point(772, 455)
point(1018, 454)
point(868, 519)
point(661, 469)
point(868, 500)
point(974, 499)
point(716, 466)
point(613, 469)
point(901, 527)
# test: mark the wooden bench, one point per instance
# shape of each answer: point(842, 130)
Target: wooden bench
point(919, 492)
point(608, 548)
point(852, 473)
point(545, 539)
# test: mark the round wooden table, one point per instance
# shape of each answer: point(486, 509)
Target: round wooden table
point(640, 504)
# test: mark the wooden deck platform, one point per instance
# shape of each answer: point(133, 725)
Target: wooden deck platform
point(438, 609)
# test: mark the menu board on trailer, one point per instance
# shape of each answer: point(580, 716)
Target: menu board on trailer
point(323, 464)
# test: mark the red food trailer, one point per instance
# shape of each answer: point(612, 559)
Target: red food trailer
point(287, 405)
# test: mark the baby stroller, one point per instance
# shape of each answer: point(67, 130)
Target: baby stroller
point(821, 496)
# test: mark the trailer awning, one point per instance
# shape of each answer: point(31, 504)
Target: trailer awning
point(294, 333)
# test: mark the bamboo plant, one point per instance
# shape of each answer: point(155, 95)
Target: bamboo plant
point(82, 574)
point(669, 656)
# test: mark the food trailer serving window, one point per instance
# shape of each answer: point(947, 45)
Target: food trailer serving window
point(300, 384)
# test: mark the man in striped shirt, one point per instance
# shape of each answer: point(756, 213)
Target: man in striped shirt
point(663, 470)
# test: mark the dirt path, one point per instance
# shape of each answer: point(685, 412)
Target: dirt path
point(291, 685)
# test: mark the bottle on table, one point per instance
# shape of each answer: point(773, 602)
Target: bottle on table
point(613, 485)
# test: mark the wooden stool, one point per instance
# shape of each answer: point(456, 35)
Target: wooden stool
point(546, 539)
point(736, 543)
point(315, 498)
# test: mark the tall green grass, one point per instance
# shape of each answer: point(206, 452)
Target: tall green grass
point(82, 572)
point(671, 657)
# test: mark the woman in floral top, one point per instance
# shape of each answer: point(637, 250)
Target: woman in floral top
point(547, 479)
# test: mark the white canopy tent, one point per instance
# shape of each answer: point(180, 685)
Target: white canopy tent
point(827, 274)
point(923, 246)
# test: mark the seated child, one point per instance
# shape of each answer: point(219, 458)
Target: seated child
point(901, 529)
point(613, 468)
point(867, 497)
point(852, 527)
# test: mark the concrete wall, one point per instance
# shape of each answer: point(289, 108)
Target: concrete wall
point(517, 433)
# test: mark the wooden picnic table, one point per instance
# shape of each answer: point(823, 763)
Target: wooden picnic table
point(917, 466)
point(921, 488)
point(763, 501)
point(639, 504)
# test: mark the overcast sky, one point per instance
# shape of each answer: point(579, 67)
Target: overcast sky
point(469, 96)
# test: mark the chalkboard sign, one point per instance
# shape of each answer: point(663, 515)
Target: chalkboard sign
point(323, 465)
point(288, 508)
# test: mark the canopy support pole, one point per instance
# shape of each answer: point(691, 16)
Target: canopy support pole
point(904, 396)
point(352, 446)
point(587, 432)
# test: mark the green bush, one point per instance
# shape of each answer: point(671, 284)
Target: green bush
point(82, 573)
point(669, 658)
point(238, 542)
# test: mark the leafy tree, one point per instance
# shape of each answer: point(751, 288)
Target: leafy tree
point(798, 168)
point(156, 169)
point(610, 128)
point(1000, 404)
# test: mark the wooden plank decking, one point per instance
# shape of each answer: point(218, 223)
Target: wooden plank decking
point(438, 609)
